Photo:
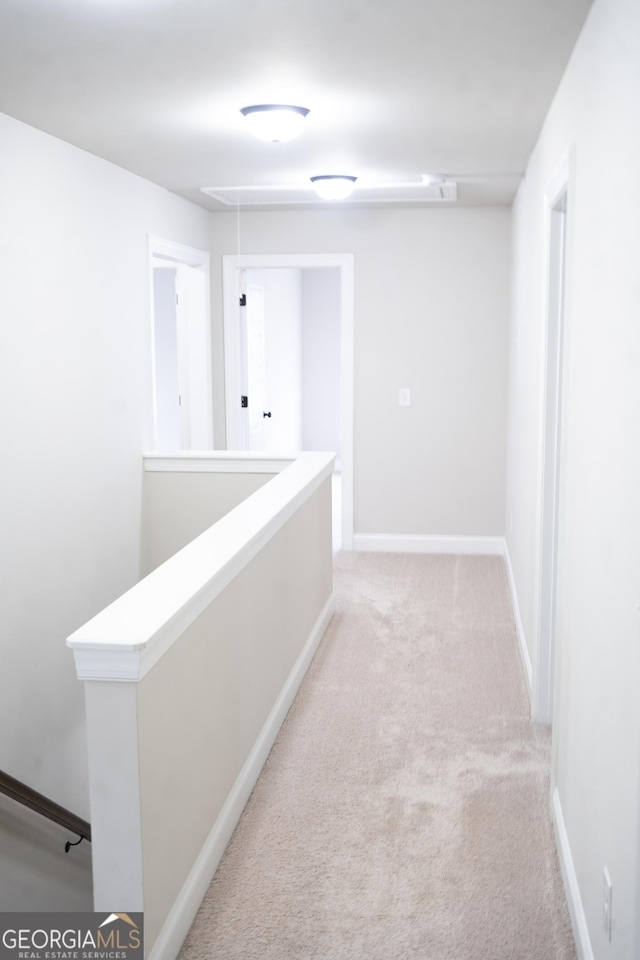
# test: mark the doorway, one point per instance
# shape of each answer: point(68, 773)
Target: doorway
point(292, 382)
point(181, 347)
point(548, 615)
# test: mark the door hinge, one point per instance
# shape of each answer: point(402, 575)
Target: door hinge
point(244, 401)
point(243, 299)
point(177, 300)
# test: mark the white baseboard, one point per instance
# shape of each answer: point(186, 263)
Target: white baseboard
point(570, 879)
point(182, 914)
point(522, 641)
point(390, 543)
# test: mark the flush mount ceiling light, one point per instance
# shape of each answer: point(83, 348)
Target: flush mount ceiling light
point(333, 186)
point(275, 121)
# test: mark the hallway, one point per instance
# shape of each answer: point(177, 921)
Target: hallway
point(404, 809)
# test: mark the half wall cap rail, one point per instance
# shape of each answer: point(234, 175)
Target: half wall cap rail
point(29, 797)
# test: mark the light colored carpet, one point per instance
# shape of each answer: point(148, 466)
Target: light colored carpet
point(404, 810)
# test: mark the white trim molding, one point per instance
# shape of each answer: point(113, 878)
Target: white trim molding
point(220, 461)
point(558, 237)
point(413, 543)
point(185, 907)
point(178, 252)
point(570, 880)
point(522, 640)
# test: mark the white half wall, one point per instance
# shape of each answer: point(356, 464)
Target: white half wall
point(596, 721)
point(76, 414)
point(222, 631)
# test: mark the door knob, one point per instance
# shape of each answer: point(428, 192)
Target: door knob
point(266, 414)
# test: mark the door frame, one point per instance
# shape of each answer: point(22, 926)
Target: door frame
point(558, 203)
point(178, 253)
point(232, 265)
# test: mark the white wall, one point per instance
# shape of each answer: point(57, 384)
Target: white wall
point(431, 303)
point(321, 360)
point(179, 506)
point(76, 413)
point(597, 716)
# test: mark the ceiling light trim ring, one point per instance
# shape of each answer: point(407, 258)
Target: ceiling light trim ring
point(266, 107)
point(333, 186)
point(275, 121)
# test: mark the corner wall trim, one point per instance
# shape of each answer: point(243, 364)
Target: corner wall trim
point(401, 543)
point(570, 879)
point(522, 640)
point(181, 915)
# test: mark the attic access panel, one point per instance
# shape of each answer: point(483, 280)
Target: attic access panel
point(364, 193)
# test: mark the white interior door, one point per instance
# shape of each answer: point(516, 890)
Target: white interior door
point(256, 372)
point(277, 342)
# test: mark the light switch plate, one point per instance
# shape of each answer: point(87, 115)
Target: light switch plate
point(404, 397)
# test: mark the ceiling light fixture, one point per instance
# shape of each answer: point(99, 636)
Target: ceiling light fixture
point(333, 186)
point(275, 121)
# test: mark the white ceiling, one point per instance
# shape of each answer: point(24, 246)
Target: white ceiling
point(396, 88)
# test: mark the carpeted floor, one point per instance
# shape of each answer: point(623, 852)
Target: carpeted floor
point(403, 813)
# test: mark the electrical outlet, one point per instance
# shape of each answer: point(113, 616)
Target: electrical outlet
point(606, 904)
